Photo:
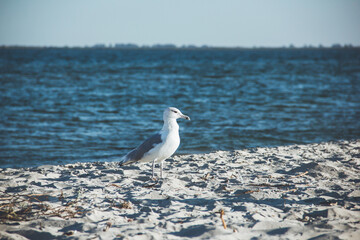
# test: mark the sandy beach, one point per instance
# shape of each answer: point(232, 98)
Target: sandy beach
point(292, 192)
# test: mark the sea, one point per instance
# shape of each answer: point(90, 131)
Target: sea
point(67, 105)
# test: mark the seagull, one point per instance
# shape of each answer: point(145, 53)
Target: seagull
point(159, 146)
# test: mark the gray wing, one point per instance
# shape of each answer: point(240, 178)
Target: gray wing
point(136, 154)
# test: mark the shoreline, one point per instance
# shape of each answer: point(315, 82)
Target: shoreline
point(295, 192)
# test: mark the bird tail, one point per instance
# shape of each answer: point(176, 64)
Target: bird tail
point(125, 160)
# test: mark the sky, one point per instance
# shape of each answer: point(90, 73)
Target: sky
point(222, 23)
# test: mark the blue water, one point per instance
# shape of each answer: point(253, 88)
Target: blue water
point(61, 106)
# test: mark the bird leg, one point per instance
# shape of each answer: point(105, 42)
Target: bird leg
point(161, 169)
point(153, 168)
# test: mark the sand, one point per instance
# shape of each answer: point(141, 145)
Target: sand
point(291, 192)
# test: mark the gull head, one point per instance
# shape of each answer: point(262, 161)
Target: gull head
point(174, 113)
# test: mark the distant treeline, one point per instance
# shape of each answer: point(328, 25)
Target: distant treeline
point(170, 46)
point(173, 46)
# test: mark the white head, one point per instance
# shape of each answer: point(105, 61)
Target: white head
point(173, 113)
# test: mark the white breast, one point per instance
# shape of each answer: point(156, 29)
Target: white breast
point(171, 143)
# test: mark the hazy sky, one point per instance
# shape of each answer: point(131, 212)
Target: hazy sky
point(211, 22)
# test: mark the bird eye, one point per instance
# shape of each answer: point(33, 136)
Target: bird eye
point(174, 111)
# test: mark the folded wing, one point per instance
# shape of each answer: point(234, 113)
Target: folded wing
point(138, 153)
